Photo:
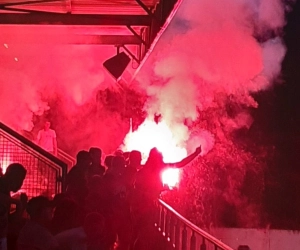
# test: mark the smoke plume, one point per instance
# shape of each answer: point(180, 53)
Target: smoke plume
point(214, 48)
point(209, 49)
point(45, 76)
point(209, 55)
point(201, 74)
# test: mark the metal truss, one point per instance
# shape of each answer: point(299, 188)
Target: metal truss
point(148, 19)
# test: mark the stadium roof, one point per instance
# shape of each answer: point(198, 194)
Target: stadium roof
point(108, 22)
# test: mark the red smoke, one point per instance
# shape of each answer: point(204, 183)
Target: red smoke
point(210, 54)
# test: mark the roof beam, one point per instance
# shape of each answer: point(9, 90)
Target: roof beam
point(105, 39)
point(74, 19)
point(4, 5)
point(74, 39)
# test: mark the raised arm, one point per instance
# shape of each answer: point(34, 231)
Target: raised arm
point(187, 159)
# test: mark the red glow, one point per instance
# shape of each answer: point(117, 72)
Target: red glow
point(4, 163)
point(150, 135)
point(171, 177)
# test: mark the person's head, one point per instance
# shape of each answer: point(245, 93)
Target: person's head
point(47, 125)
point(126, 155)
point(83, 158)
point(66, 214)
point(40, 209)
point(58, 198)
point(117, 166)
point(108, 160)
point(119, 152)
point(96, 154)
point(15, 174)
point(135, 158)
point(155, 158)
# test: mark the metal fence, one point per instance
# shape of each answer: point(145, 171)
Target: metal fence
point(181, 234)
point(68, 159)
point(45, 173)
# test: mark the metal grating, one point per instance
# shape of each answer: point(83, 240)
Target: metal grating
point(43, 175)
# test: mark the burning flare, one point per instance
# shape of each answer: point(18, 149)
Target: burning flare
point(151, 134)
point(157, 134)
point(171, 177)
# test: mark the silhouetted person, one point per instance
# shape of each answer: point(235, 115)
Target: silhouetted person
point(148, 187)
point(59, 197)
point(16, 220)
point(77, 177)
point(94, 227)
point(135, 158)
point(110, 196)
point(120, 205)
point(46, 139)
point(126, 156)
point(96, 167)
point(66, 216)
point(100, 200)
point(35, 234)
point(94, 201)
point(108, 160)
point(119, 152)
point(11, 181)
point(148, 179)
point(117, 168)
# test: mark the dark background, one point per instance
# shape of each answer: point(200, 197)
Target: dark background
point(279, 121)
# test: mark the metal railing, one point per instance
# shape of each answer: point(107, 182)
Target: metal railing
point(68, 159)
point(45, 173)
point(182, 234)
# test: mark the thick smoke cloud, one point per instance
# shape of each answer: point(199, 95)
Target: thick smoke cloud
point(209, 49)
point(33, 74)
point(205, 67)
point(43, 76)
point(212, 48)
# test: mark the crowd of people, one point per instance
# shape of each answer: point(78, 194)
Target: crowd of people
point(105, 206)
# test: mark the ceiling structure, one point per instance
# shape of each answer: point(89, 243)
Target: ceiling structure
point(120, 23)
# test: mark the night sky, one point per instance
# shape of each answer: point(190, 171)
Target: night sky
point(279, 120)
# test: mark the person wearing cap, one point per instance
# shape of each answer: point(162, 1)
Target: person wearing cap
point(35, 234)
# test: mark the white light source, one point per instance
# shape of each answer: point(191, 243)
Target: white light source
point(171, 177)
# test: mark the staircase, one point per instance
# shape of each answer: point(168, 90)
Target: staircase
point(46, 176)
point(45, 173)
point(180, 234)
point(66, 158)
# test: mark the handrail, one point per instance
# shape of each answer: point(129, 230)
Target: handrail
point(175, 228)
point(46, 155)
point(68, 159)
point(65, 155)
point(31, 144)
